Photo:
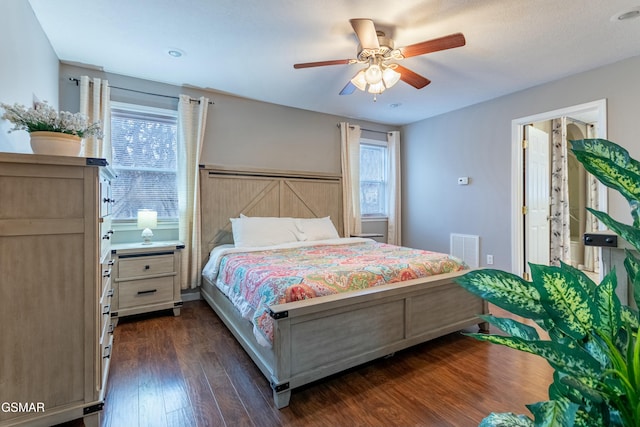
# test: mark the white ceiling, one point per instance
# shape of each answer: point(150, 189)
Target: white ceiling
point(248, 47)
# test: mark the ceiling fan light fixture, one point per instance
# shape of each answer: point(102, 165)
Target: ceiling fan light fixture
point(359, 81)
point(390, 77)
point(373, 75)
point(376, 88)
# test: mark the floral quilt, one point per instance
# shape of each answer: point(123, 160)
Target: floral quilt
point(256, 280)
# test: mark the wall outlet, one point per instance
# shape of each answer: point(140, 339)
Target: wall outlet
point(489, 259)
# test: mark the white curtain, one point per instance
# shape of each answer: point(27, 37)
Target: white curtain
point(96, 105)
point(394, 230)
point(350, 159)
point(192, 118)
point(560, 219)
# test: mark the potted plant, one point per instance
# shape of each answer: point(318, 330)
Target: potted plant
point(51, 132)
point(592, 342)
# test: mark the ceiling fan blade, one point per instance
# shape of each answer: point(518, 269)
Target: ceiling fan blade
point(442, 43)
point(348, 89)
point(322, 63)
point(366, 33)
point(414, 79)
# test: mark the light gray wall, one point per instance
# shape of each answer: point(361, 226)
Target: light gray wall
point(240, 132)
point(29, 67)
point(476, 142)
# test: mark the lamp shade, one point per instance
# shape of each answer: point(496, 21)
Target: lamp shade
point(359, 80)
point(147, 218)
point(390, 77)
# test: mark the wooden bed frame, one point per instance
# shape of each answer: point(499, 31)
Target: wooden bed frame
point(322, 336)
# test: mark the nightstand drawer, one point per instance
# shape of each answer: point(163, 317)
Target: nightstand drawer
point(146, 291)
point(145, 266)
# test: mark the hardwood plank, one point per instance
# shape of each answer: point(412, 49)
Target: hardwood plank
point(203, 377)
point(230, 404)
point(121, 401)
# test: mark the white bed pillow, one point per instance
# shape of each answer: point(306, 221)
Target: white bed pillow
point(265, 231)
point(318, 228)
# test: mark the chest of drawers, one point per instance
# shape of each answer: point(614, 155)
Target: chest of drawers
point(55, 288)
point(146, 278)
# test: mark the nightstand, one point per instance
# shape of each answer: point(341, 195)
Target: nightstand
point(146, 278)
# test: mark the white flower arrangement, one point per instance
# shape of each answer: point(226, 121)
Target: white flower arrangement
point(43, 117)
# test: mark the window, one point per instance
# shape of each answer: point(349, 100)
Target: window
point(144, 142)
point(373, 178)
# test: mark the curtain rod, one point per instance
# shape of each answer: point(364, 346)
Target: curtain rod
point(369, 130)
point(77, 82)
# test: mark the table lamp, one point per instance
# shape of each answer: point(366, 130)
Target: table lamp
point(147, 219)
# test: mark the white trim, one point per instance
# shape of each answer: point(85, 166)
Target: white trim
point(369, 141)
point(598, 107)
point(116, 105)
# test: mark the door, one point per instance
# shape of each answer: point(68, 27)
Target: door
point(537, 196)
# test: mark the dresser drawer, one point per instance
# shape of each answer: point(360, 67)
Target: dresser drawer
point(146, 291)
point(105, 275)
point(145, 266)
point(106, 234)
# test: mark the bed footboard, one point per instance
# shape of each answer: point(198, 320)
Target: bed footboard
point(319, 337)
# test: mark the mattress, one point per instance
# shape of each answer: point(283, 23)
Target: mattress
point(256, 278)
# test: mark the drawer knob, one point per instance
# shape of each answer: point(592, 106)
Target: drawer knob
point(150, 291)
point(146, 267)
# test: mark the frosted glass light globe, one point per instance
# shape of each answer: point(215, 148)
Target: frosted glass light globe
point(373, 74)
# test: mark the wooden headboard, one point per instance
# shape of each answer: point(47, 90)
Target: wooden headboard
point(226, 193)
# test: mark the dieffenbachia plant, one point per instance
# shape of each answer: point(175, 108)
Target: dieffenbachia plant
point(593, 342)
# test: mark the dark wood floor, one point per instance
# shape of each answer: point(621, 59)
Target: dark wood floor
point(189, 371)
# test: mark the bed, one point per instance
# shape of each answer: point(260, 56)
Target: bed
point(311, 338)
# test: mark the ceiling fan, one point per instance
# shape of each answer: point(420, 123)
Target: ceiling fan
point(377, 51)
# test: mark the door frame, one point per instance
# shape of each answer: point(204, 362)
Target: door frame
point(599, 110)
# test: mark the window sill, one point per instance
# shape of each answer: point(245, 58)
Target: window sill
point(133, 225)
point(374, 218)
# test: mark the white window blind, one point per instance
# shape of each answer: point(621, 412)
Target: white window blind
point(144, 145)
point(373, 179)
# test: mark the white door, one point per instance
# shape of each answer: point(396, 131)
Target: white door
point(537, 196)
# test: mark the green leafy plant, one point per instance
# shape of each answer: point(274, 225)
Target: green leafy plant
point(592, 342)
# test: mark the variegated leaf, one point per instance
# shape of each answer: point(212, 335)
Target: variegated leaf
point(632, 265)
point(608, 306)
point(571, 360)
point(554, 413)
point(586, 419)
point(512, 327)
point(630, 316)
point(505, 290)
point(507, 419)
point(622, 177)
point(627, 232)
point(587, 387)
point(588, 284)
point(566, 301)
point(608, 150)
point(560, 391)
point(597, 352)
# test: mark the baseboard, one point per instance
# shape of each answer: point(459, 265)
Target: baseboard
point(191, 295)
